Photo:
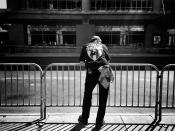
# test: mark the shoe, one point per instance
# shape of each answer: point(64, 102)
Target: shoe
point(78, 127)
point(81, 120)
point(98, 127)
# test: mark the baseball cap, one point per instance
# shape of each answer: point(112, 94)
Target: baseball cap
point(95, 37)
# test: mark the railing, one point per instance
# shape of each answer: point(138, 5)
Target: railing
point(20, 85)
point(135, 85)
point(62, 84)
point(168, 86)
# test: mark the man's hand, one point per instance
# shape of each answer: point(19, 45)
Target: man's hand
point(82, 63)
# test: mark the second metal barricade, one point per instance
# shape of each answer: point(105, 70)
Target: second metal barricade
point(21, 86)
point(135, 85)
point(167, 88)
point(62, 85)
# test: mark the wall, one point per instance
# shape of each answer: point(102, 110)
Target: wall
point(16, 34)
point(14, 4)
point(84, 32)
point(150, 31)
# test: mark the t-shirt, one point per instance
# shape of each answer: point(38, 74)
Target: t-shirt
point(94, 55)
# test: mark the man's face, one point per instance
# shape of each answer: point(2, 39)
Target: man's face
point(97, 41)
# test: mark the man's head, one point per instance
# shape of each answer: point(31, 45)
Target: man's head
point(96, 38)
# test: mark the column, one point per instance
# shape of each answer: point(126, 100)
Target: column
point(85, 5)
point(85, 8)
point(83, 33)
point(29, 36)
point(57, 38)
point(148, 35)
point(61, 37)
point(27, 4)
point(157, 4)
point(16, 34)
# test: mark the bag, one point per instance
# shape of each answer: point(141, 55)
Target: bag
point(106, 76)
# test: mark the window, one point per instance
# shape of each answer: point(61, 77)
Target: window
point(3, 4)
point(157, 39)
point(171, 37)
point(136, 38)
point(54, 4)
point(69, 38)
point(51, 35)
point(109, 38)
point(143, 5)
point(121, 35)
point(3, 36)
point(43, 38)
point(169, 5)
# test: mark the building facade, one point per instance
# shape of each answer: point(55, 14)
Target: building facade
point(61, 26)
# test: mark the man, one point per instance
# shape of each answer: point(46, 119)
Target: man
point(94, 55)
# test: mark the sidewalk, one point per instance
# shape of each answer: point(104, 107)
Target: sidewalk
point(66, 121)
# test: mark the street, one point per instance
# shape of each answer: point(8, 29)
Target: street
point(130, 88)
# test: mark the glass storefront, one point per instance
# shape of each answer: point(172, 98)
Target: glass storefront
point(144, 5)
point(121, 35)
point(132, 36)
point(53, 4)
point(44, 35)
point(171, 37)
point(116, 5)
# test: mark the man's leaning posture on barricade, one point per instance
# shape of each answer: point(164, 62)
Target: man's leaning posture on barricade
point(95, 55)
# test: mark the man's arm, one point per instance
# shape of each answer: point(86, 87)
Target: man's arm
point(106, 53)
point(82, 58)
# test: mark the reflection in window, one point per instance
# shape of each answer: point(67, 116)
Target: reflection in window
point(109, 38)
point(3, 36)
point(170, 4)
point(54, 4)
point(121, 35)
point(43, 38)
point(51, 35)
point(171, 37)
point(143, 5)
point(69, 37)
point(157, 39)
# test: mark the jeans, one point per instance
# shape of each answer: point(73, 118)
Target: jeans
point(90, 83)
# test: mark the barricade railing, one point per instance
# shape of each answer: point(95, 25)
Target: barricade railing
point(167, 86)
point(21, 85)
point(134, 85)
point(62, 85)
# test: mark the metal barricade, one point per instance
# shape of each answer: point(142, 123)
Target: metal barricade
point(64, 84)
point(135, 85)
point(167, 87)
point(21, 85)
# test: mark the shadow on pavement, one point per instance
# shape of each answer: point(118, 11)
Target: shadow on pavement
point(37, 126)
point(78, 127)
point(17, 126)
